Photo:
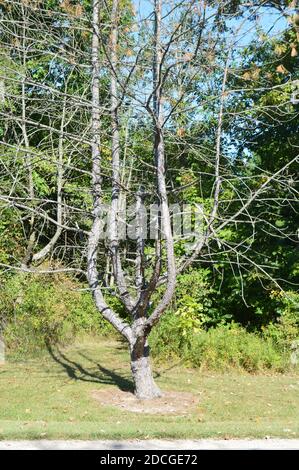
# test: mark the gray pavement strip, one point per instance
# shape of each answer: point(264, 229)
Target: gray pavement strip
point(201, 444)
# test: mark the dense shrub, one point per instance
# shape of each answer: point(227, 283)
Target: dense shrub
point(195, 301)
point(43, 309)
point(232, 346)
point(37, 310)
point(218, 348)
point(196, 332)
point(286, 329)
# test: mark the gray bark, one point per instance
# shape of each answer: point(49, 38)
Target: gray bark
point(28, 157)
point(115, 200)
point(137, 334)
point(94, 236)
point(159, 150)
point(145, 386)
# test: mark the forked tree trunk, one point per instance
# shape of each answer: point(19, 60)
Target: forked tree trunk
point(137, 333)
point(145, 386)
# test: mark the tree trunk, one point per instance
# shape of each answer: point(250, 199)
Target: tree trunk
point(145, 386)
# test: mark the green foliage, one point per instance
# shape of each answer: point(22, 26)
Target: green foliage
point(219, 348)
point(36, 311)
point(10, 239)
point(286, 329)
point(232, 346)
point(191, 311)
point(40, 310)
point(195, 301)
point(196, 332)
point(190, 317)
point(117, 306)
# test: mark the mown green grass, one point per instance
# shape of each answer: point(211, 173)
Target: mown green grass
point(50, 397)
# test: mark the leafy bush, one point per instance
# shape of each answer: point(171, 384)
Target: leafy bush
point(55, 309)
point(195, 332)
point(39, 310)
point(286, 329)
point(10, 240)
point(232, 346)
point(195, 301)
point(219, 348)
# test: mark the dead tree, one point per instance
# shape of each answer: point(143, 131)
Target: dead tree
point(177, 45)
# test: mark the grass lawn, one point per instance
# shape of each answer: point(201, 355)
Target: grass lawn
point(51, 397)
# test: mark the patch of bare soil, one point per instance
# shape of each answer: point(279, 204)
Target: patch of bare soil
point(178, 403)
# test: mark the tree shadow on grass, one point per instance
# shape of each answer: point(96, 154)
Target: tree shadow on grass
point(98, 374)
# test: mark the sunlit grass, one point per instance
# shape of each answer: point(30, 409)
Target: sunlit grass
point(50, 397)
